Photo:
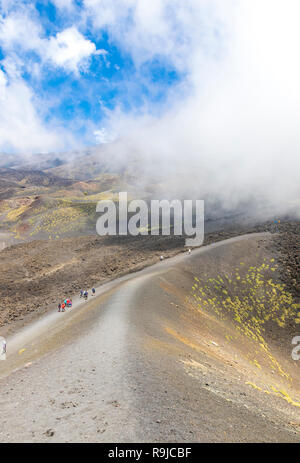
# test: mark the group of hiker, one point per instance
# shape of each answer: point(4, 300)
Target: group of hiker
point(67, 303)
point(62, 306)
point(85, 294)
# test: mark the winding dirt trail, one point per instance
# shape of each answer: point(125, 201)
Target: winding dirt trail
point(136, 363)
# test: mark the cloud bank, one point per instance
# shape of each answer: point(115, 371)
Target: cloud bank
point(231, 129)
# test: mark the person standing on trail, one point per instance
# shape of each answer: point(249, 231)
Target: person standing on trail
point(93, 291)
point(81, 293)
point(3, 347)
point(63, 307)
point(86, 295)
point(59, 307)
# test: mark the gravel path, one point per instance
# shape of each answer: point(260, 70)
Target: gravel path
point(110, 370)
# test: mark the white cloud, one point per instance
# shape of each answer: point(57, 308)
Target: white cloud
point(63, 4)
point(3, 82)
point(69, 49)
point(233, 132)
point(170, 28)
point(18, 29)
point(7, 5)
point(21, 126)
point(103, 136)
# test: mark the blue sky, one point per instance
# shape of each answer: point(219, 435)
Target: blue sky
point(67, 65)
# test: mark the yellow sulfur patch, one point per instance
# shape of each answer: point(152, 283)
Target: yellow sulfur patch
point(282, 394)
